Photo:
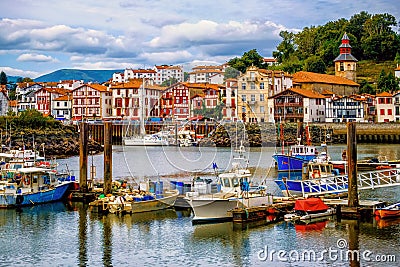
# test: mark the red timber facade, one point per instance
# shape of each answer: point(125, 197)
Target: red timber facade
point(180, 100)
point(91, 101)
point(128, 98)
point(45, 97)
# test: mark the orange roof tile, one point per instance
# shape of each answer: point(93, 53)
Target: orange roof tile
point(311, 77)
point(98, 87)
point(62, 98)
point(303, 92)
point(384, 94)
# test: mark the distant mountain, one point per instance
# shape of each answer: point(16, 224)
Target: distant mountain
point(13, 79)
point(98, 76)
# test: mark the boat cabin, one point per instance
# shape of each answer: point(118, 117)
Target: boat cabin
point(302, 150)
point(314, 170)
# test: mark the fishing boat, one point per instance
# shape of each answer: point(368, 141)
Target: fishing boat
point(298, 155)
point(312, 170)
point(390, 211)
point(309, 209)
point(32, 186)
point(235, 191)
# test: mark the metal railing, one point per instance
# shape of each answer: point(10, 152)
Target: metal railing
point(339, 184)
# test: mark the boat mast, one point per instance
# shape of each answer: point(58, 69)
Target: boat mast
point(141, 107)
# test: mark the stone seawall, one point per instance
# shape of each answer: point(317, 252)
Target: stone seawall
point(336, 133)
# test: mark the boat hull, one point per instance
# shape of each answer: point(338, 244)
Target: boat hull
point(209, 209)
point(142, 142)
point(387, 213)
point(155, 204)
point(292, 163)
point(29, 199)
point(163, 201)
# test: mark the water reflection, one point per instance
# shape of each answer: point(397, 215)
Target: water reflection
point(82, 232)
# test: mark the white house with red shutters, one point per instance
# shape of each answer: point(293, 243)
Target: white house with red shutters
point(180, 100)
point(130, 97)
point(45, 96)
point(384, 107)
point(91, 101)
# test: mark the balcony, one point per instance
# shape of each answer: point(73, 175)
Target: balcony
point(251, 79)
point(291, 104)
point(251, 102)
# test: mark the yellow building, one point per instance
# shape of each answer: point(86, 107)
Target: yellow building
point(255, 86)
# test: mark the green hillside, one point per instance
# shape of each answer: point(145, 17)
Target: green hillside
point(369, 70)
point(98, 76)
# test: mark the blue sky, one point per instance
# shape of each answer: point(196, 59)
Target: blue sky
point(38, 37)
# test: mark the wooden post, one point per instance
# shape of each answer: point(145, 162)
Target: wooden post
point(83, 157)
point(352, 164)
point(107, 157)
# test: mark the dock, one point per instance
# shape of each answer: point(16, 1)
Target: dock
point(271, 213)
point(365, 208)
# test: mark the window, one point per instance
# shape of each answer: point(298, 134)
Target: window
point(261, 97)
point(262, 110)
point(261, 86)
point(341, 66)
point(244, 98)
point(382, 112)
point(252, 86)
point(243, 86)
point(389, 111)
point(253, 97)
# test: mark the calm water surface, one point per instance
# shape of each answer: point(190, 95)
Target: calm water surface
point(68, 235)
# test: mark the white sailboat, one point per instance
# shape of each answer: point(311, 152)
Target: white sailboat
point(145, 139)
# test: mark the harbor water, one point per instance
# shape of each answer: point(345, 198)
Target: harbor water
point(67, 234)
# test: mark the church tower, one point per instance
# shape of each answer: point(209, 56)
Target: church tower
point(346, 63)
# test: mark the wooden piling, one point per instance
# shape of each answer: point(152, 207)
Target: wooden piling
point(108, 134)
point(352, 164)
point(83, 157)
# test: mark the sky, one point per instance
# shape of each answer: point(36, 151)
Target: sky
point(39, 37)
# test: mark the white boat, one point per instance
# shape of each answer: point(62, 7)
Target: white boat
point(235, 192)
point(186, 138)
point(146, 140)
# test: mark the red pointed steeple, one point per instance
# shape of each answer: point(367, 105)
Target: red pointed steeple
point(345, 50)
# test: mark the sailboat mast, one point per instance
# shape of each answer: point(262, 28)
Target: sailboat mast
point(141, 112)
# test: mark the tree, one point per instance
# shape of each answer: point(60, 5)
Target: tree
point(286, 48)
point(314, 64)
point(231, 73)
point(3, 78)
point(387, 83)
point(366, 88)
point(169, 82)
point(250, 58)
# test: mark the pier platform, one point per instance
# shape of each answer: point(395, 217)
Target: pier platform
point(271, 213)
point(366, 208)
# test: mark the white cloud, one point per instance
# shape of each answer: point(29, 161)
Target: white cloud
point(17, 72)
point(166, 57)
point(36, 58)
point(207, 32)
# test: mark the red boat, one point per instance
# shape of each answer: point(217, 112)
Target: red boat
point(389, 211)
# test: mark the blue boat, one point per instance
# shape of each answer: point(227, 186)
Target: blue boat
point(32, 186)
point(297, 157)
